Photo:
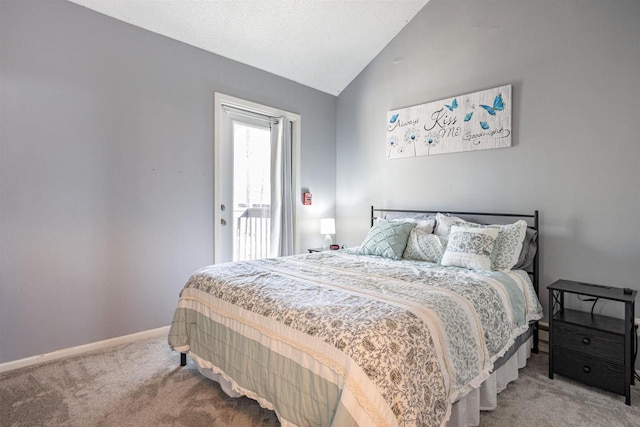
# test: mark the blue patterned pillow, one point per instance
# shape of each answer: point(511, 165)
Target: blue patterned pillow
point(509, 245)
point(387, 239)
point(470, 247)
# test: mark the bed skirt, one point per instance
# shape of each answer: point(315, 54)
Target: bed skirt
point(466, 411)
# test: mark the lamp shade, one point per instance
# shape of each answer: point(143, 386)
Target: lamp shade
point(327, 226)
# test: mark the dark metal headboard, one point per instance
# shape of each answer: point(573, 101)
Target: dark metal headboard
point(532, 223)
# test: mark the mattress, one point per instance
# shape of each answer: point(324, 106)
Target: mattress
point(337, 338)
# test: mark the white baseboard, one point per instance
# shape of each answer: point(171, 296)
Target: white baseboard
point(74, 351)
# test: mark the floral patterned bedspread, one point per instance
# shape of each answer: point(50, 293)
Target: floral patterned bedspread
point(415, 336)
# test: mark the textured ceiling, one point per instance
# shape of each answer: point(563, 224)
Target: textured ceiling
point(323, 44)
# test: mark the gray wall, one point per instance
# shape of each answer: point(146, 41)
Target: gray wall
point(106, 171)
point(575, 71)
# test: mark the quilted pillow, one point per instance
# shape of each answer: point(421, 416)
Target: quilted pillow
point(423, 246)
point(387, 239)
point(470, 247)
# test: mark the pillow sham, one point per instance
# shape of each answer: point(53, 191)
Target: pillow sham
point(403, 215)
point(425, 225)
point(509, 245)
point(387, 239)
point(470, 247)
point(444, 223)
point(423, 246)
point(528, 251)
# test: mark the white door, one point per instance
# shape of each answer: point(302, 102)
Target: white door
point(242, 162)
point(245, 188)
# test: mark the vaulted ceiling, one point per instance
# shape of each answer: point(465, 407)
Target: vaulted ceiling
point(323, 44)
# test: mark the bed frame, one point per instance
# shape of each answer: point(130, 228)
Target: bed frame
point(532, 223)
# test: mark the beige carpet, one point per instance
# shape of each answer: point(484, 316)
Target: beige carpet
point(141, 384)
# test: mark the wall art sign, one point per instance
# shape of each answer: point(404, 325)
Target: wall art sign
point(477, 121)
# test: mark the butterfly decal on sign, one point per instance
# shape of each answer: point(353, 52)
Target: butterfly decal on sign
point(468, 116)
point(484, 125)
point(394, 118)
point(453, 105)
point(498, 105)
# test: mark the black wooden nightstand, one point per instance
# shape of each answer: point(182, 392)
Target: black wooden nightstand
point(596, 350)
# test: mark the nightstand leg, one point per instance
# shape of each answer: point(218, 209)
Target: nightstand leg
point(551, 313)
point(628, 350)
point(634, 337)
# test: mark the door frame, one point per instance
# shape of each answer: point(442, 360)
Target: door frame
point(221, 100)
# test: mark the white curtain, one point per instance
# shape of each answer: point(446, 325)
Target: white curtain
point(281, 189)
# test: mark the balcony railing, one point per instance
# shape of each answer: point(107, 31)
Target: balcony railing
point(253, 233)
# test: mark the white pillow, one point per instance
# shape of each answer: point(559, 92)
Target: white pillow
point(470, 247)
point(425, 225)
point(423, 246)
point(444, 223)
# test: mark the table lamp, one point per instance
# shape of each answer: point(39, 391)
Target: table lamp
point(327, 227)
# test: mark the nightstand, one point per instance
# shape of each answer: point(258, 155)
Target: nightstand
point(312, 250)
point(590, 348)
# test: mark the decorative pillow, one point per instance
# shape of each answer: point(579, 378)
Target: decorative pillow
point(444, 223)
point(470, 247)
point(425, 225)
point(423, 246)
point(387, 239)
point(508, 244)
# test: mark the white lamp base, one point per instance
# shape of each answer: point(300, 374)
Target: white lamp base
point(327, 242)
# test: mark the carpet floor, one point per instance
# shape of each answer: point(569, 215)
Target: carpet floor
point(142, 384)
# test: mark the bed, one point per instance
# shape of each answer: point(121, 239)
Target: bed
point(374, 335)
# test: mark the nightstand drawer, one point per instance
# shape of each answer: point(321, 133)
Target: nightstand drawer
point(589, 370)
point(596, 343)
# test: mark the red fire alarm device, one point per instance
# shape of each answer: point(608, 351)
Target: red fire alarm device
point(306, 198)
